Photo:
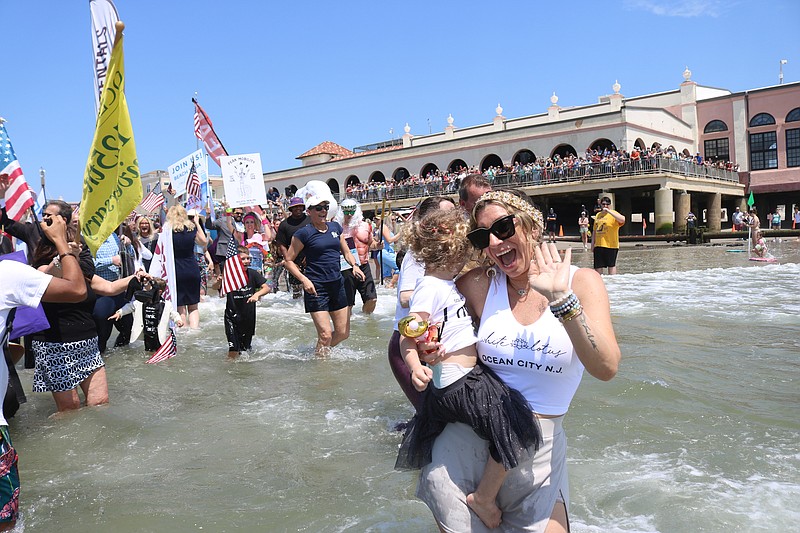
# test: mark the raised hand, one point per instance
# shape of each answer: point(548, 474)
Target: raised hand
point(549, 274)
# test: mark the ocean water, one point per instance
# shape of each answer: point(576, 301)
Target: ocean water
point(699, 431)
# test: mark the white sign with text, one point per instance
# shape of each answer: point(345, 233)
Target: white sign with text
point(243, 180)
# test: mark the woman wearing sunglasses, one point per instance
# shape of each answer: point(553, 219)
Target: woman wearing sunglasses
point(324, 295)
point(541, 322)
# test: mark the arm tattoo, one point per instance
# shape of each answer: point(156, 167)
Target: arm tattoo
point(589, 335)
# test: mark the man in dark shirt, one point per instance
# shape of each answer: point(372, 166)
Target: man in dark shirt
point(283, 239)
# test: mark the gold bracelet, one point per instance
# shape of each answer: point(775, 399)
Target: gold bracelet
point(572, 314)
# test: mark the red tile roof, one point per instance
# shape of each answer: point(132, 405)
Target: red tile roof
point(329, 148)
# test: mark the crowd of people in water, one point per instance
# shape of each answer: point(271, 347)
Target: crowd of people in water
point(493, 326)
point(489, 393)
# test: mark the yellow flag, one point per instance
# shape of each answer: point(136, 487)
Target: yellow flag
point(112, 187)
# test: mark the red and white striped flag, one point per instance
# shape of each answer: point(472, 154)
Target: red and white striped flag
point(167, 350)
point(204, 130)
point(234, 277)
point(19, 197)
point(193, 182)
point(153, 200)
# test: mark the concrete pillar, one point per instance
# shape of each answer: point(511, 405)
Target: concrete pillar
point(714, 213)
point(622, 203)
point(663, 214)
point(742, 203)
point(681, 210)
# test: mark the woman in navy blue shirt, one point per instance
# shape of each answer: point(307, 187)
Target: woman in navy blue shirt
point(324, 247)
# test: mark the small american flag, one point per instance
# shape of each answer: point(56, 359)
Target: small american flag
point(19, 197)
point(193, 182)
point(153, 200)
point(234, 277)
point(166, 351)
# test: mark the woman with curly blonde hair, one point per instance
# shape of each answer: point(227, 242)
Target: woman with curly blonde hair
point(462, 391)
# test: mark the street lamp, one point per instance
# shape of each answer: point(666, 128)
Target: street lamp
point(41, 175)
point(780, 75)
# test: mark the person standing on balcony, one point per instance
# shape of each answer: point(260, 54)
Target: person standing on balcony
point(605, 237)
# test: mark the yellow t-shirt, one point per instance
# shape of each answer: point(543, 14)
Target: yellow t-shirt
point(606, 231)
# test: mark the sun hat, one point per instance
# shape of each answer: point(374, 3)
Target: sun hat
point(311, 201)
point(295, 201)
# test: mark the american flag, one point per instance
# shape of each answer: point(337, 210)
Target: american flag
point(166, 351)
point(19, 197)
point(204, 130)
point(193, 182)
point(153, 200)
point(234, 277)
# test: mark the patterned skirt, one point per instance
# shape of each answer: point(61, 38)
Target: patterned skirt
point(62, 366)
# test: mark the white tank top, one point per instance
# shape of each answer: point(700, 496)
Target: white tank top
point(537, 360)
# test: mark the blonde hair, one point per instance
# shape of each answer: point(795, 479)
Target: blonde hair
point(178, 219)
point(439, 239)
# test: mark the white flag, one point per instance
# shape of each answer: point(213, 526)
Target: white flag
point(104, 18)
point(163, 265)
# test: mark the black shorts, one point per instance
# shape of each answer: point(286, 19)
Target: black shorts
point(330, 297)
point(605, 257)
point(365, 288)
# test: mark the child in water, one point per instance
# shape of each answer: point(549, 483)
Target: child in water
point(240, 308)
point(760, 248)
point(149, 317)
point(463, 391)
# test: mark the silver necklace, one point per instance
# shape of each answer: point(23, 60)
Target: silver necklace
point(521, 292)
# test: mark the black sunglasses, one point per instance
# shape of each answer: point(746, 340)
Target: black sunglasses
point(502, 228)
point(320, 207)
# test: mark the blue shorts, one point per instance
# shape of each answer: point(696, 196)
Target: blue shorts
point(9, 479)
point(330, 296)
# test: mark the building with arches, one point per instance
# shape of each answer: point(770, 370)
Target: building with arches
point(759, 130)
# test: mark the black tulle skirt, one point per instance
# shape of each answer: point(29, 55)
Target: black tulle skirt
point(496, 412)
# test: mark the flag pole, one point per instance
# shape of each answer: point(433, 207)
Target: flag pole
point(749, 232)
point(380, 240)
point(196, 139)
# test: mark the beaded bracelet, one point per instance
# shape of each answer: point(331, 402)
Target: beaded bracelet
point(564, 308)
point(559, 301)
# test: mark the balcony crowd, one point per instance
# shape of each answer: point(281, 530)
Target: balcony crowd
point(594, 164)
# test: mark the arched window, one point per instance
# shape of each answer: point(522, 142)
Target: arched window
point(715, 126)
point(457, 165)
point(762, 119)
point(400, 174)
point(491, 160)
point(793, 140)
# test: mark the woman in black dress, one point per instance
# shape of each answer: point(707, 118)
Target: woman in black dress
point(187, 273)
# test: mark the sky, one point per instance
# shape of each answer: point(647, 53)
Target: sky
point(278, 78)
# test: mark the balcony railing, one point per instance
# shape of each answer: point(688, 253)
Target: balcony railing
point(548, 176)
